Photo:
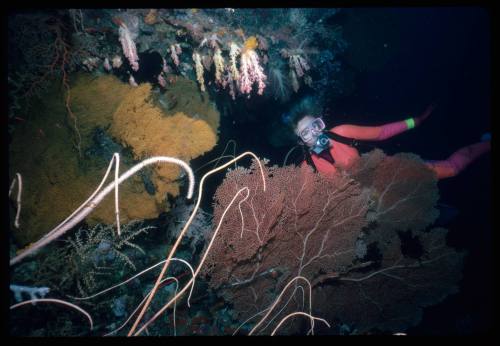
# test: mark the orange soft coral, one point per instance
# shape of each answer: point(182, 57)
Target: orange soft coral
point(250, 44)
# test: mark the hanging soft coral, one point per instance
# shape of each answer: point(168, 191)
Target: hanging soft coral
point(175, 50)
point(128, 31)
point(250, 44)
point(234, 51)
point(199, 70)
point(219, 65)
point(299, 64)
point(128, 46)
point(250, 69)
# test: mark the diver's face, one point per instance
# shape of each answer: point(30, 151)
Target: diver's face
point(308, 129)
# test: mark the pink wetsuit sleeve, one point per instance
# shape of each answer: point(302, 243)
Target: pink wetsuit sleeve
point(371, 133)
point(459, 160)
point(392, 129)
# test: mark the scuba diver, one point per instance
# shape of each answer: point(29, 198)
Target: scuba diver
point(328, 150)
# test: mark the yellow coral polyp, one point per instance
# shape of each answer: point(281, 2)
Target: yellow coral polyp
point(250, 44)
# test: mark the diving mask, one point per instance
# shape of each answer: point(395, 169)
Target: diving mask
point(312, 130)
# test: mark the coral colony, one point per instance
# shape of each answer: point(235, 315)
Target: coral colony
point(140, 246)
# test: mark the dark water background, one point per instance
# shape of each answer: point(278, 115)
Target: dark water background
point(403, 59)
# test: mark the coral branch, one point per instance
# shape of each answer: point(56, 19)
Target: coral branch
point(314, 227)
point(251, 72)
point(19, 181)
point(89, 205)
point(181, 235)
point(59, 301)
point(128, 45)
point(199, 70)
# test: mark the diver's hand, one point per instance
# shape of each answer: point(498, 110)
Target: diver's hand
point(420, 119)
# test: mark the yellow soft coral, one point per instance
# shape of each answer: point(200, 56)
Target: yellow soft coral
point(152, 17)
point(94, 100)
point(58, 181)
point(250, 44)
point(142, 126)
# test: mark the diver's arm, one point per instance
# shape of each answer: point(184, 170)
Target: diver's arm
point(379, 133)
point(374, 133)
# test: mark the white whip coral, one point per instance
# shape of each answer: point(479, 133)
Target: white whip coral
point(97, 196)
point(19, 181)
point(128, 46)
point(199, 70)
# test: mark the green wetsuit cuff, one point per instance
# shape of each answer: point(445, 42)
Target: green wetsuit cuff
point(410, 123)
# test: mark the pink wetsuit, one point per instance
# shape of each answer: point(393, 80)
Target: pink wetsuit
point(345, 155)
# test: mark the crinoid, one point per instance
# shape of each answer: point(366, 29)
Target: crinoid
point(99, 251)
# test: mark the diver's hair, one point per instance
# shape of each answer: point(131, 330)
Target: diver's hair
point(309, 105)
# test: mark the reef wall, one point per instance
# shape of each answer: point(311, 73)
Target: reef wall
point(112, 116)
